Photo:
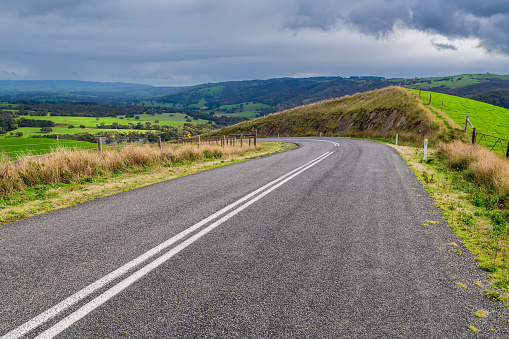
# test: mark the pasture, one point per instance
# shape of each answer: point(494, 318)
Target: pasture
point(19, 147)
point(488, 119)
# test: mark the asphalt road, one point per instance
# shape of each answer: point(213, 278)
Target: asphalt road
point(327, 240)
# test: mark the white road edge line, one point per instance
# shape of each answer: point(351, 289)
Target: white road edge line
point(98, 284)
point(110, 293)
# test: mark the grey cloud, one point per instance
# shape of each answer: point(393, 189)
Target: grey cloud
point(441, 46)
point(486, 20)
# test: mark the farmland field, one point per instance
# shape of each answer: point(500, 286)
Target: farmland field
point(488, 119)
point(449, 82)
point(15, 147)
point(90, 123)
point(168, 119)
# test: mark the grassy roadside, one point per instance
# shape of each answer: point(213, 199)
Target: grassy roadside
point(43, 198)
point(478, 224)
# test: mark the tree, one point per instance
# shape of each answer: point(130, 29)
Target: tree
point(137, 117)
point(7, 121)
point(83, 126)
point(46, 129)
point(70, 126)
point(19, 134)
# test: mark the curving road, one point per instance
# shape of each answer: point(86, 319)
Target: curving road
point(327, 240)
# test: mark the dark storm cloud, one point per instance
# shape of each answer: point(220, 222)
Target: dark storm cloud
point(486, 20)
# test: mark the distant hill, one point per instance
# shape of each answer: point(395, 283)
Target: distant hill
point(260, 97)
point(251, 98)
point(78, 91)
point(488, 88)
point(381, 113)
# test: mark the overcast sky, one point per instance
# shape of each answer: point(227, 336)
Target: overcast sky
point(185, 42)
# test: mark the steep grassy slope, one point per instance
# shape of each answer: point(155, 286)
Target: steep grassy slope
point(380, 114)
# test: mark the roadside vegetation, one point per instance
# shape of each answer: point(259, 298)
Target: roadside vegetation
point(470, 184)
point(66, 177)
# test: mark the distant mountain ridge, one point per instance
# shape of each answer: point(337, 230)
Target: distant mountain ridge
point(249, 98)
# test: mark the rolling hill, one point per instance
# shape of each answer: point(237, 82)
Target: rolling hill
point(380, 113)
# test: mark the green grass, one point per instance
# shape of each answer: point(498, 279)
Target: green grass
point(14, 147)
point(35, 131)
point(488, 119)
point(168, 119)
point(62, 123)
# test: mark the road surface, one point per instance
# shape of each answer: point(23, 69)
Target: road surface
point(327, 240)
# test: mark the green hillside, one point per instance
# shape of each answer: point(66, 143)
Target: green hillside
point(488, 119)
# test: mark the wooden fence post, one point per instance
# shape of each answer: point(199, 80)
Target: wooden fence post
point(442, 108)
point(256, 134)
point(198, 142)
point(99, 146)
point(507, 152)
point(466, 122)
point(159, 143)
point(429, 103)
point(473, 136)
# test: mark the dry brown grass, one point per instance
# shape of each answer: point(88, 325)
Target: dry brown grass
point(71, 166)
point(484, 167)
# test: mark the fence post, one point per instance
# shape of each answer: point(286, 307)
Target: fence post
point(429, 103)
point(442, 108)
point(256, 134)
point(159, 143)
point(99, 146)
point(425, 149)
point(473, 136)
point(507, 152)
point(198, 142)
point(397, 139)
point(466, 122)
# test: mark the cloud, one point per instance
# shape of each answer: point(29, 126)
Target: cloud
point(181, 42)
point(441, 46)
point(486, 20)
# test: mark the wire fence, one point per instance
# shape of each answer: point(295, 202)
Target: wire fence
point(493, 143)
point(116, 142)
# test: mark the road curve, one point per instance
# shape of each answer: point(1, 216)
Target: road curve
point(336, 238)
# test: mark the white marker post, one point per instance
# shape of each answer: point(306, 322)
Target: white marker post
point(397, 139)
point(425, 149)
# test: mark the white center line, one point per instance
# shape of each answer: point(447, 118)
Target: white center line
point(113, 291)
point(85, 292)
